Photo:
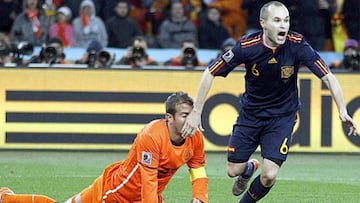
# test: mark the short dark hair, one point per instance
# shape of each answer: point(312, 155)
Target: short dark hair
point(175, 99)
point(56, 40)
point(123, 1)
point(187, 41)
point(264, 12)
point(140, 38)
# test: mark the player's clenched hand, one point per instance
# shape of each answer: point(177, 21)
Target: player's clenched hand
point(194, 200)
point(192, 123)
point(350, 123)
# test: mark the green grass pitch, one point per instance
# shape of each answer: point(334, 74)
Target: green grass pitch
point(313, 178)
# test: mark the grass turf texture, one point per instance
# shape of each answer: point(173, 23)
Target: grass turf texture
point(303, 178)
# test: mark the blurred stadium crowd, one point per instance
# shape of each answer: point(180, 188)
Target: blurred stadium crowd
point(186, 25)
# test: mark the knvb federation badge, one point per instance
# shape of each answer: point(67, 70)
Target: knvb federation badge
point(188, 154)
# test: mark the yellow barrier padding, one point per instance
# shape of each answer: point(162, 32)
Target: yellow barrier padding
point(102, 109)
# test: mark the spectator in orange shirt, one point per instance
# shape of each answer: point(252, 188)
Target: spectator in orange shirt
point(157, 153)
point(187, 57)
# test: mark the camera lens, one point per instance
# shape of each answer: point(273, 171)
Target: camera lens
point(25, 48)
point(91, 58)
point(138, 52)
point(50, 52)
point(104, 57)
point(189, 52)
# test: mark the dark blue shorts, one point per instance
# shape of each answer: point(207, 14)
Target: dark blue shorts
point(273, 135)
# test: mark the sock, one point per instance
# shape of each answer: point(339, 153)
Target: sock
point(249, 170)
point(26, 198)
point(255, 192)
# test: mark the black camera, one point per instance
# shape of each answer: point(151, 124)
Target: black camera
point(104, 58)
point(18, 50)
point(138, 53)
point(190, 59)
point(21, 48)
point(189, 52)
point(48, 53)
point(352, 62)
point(24, 48)
point(91, 59)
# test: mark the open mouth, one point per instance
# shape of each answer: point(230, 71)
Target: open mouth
point(282, 34)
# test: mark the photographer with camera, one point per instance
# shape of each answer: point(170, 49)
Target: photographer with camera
point(51, 53)
point(5, 56)
point(13, 52)
point(96, 57)
point(187, 57)
point(136, 55)
point(351, 57)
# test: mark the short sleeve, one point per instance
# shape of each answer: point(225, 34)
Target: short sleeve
point(226, 62)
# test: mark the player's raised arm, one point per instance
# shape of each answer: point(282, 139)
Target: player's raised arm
point(193, 120)
point(337, 94)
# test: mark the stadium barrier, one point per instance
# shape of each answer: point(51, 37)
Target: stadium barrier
point(103, 109)
point(162, 55)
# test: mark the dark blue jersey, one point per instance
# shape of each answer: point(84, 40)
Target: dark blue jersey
point(271, 74)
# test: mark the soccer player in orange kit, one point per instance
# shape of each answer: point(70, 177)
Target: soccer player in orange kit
point(157, 153)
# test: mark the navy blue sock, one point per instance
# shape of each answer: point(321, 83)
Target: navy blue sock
point(249, 170)
point(255, 192)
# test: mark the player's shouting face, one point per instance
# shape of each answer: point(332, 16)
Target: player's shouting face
point(275, 22)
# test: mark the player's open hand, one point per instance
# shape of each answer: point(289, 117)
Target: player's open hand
point(350, 123)
point(192, 123)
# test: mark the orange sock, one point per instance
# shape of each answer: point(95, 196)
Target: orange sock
point(14, 198)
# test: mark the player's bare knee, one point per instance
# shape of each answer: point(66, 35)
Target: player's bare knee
point(268, 178)
point(235, 169)
point(231, 172)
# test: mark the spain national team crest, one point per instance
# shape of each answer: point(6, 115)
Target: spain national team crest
point(146, 157)
point(287, 72)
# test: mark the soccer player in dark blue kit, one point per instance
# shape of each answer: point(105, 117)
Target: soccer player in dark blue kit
point(269, 105)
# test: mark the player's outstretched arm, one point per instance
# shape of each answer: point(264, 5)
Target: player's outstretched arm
point(193, 121)
point(338, 96)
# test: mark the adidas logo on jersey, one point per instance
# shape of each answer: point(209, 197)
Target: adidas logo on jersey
point(272, 61)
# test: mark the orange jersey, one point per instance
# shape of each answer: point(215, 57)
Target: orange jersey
point(151, 163)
